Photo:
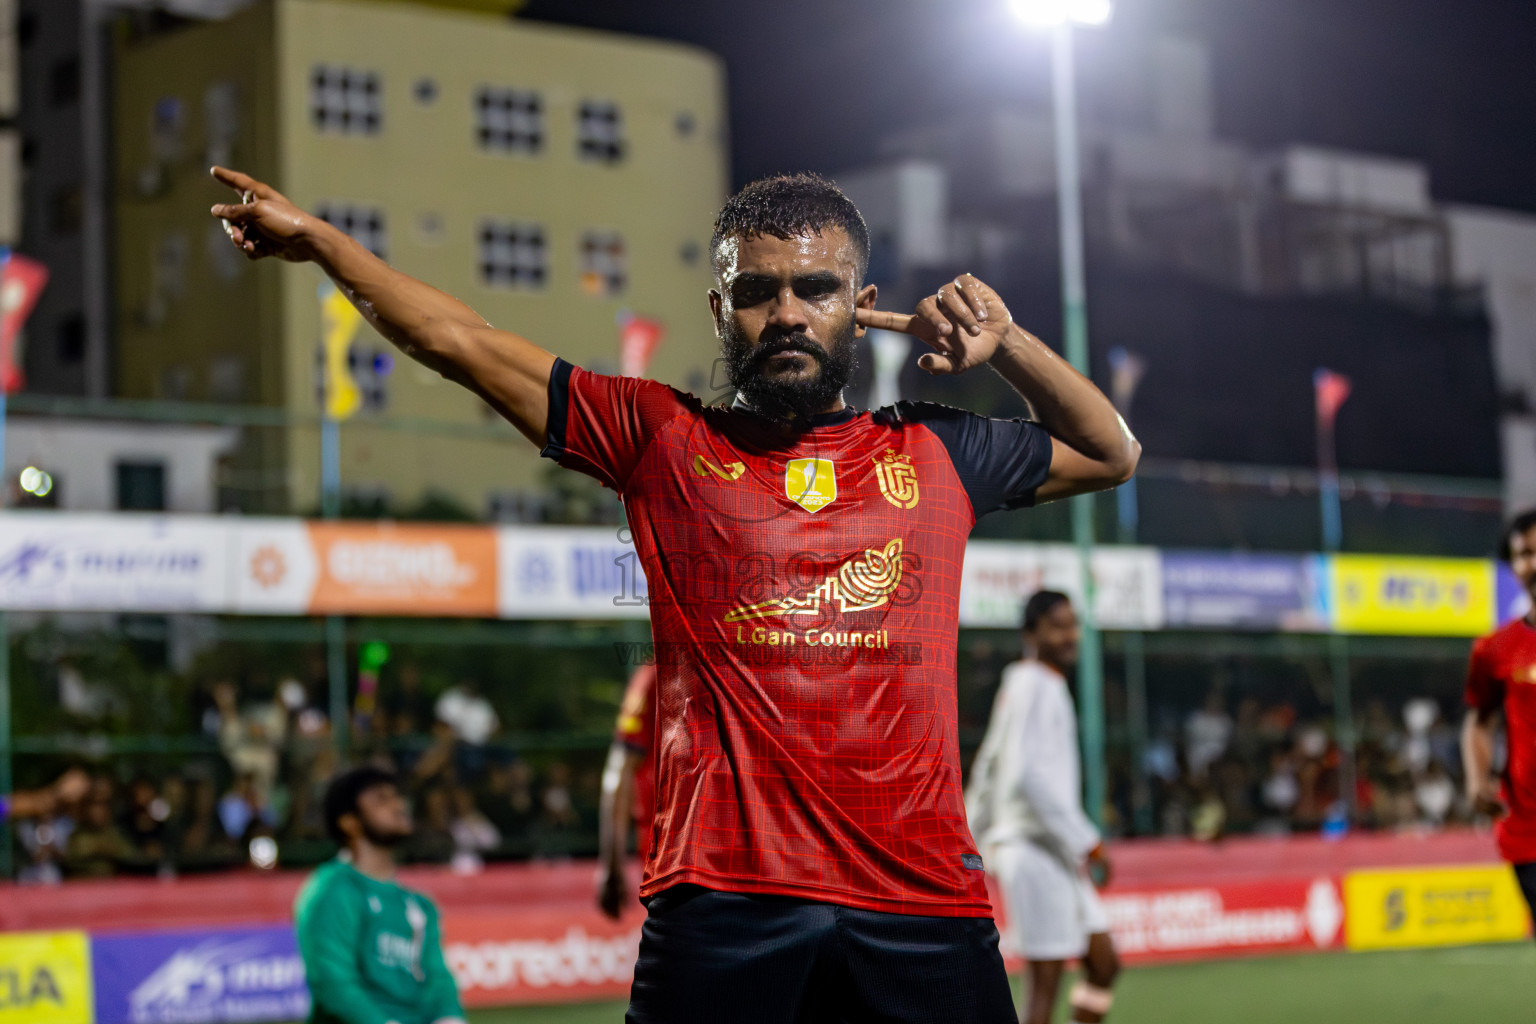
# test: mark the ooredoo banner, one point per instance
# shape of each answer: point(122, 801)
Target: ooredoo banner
point(1229, 917)
point(202, 976)
point(541, 956)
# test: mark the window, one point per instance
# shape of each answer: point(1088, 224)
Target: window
point(600, 132)
point(346, 100)
point(364, 223)
point(71, 341)
point(603, 265)
point(509, 120)
point(513, 255)
point(141, 486)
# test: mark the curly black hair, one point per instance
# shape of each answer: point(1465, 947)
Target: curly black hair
point(345, 789)
point(786, 205)
point(1520, 524)
point(1040, 604)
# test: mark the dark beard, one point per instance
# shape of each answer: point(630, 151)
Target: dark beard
point(383, 840)
point(789, 401)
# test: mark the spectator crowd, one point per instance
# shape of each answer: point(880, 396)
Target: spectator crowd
point(475, 797)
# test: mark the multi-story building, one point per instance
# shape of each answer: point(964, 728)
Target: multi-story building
point(556, 180)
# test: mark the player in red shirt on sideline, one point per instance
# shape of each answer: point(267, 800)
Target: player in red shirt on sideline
point(629, 790)
point(811, 856)
point(1501, 681)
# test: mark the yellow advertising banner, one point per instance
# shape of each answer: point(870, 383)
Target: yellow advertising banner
point(45, 978)
point(1411, 596)
point(1432, 907)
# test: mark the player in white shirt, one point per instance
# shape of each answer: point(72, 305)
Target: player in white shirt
point(1025, 808)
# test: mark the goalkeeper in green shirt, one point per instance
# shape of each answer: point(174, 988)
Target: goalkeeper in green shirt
point(372, 949)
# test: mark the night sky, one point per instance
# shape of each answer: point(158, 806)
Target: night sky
point(816, 83)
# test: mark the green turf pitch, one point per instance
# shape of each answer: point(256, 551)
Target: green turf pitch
point(1442, 986)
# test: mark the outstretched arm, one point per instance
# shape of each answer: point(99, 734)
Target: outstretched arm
point(967, 324)
point(431, 326)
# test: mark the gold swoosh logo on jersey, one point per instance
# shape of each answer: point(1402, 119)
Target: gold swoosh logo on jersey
point(703, 467)
point(863, 582)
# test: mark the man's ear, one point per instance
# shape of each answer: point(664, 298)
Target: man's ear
point(865, 300)
point(350, 824)
point(716, 305)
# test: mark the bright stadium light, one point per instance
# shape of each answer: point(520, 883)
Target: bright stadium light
point(36, 482)
point(1047, 13)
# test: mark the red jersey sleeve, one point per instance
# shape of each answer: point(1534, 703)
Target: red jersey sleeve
point(637, 715)
point(1485, 690)
point(600, 425)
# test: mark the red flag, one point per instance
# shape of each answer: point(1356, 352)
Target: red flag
point(638, 338)
point(1330, 390)
point(21, 283)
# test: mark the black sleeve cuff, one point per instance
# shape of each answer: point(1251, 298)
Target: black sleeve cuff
point(559, 407)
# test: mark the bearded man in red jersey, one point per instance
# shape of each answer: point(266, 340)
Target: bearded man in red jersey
point(811, 857)
point(1501, 683)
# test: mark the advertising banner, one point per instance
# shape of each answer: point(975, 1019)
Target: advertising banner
point(45, 978)
point(1151, 923)
point(552, 955)
point(1401, 595)
point(1433, 907)
point(1513, 601)
point(999, 576)
point(199, 977)
point(1222, 590)
point(52, 562)
point(404, 569)
point(1226, 918)
point(569, 573)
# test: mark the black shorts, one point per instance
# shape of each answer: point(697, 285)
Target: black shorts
point(1525, 874)
point(735, 958)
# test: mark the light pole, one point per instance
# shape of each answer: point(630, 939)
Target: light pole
point(1060, 16)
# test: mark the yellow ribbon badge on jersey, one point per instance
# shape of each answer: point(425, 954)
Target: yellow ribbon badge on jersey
point(810, 483)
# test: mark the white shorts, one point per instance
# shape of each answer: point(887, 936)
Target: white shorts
point(1052, 907)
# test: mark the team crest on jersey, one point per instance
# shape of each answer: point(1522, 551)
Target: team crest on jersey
point(897, 477)
point(810, 483)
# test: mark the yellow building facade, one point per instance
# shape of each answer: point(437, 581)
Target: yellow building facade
point(554, 179)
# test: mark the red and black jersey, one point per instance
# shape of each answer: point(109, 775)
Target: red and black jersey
point(804, 597)
point(1502, 677)
point(636, 729)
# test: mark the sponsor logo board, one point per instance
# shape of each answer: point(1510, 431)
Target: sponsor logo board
point(199, 977)
point(541, 956)
point(1433, 907)
point(1411, 596)
point(50, 561)
point(384, 568)
point(45, 978)
point(569, 573)
point(999, 576)
point(1225, 590)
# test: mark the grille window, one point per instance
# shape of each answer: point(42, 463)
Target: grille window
point(600, 132)
point(513, 255)
point(346, 100)
point(604, 266)
point(509, 120)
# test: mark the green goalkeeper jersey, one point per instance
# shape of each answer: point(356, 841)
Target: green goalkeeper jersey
point(373, 951)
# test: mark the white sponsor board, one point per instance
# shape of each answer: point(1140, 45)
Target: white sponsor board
point(999, 576)
point(123, 562)
point(274, 567)
point(552, 572)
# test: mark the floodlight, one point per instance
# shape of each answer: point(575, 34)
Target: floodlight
point(1046, 13)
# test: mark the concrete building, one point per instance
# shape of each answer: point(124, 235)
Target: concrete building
point(1432, 307)
point(556, 180)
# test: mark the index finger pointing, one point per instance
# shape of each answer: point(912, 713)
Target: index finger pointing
point(242, 183)
point(883, 320)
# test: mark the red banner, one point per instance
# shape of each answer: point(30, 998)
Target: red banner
point(541, 955)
